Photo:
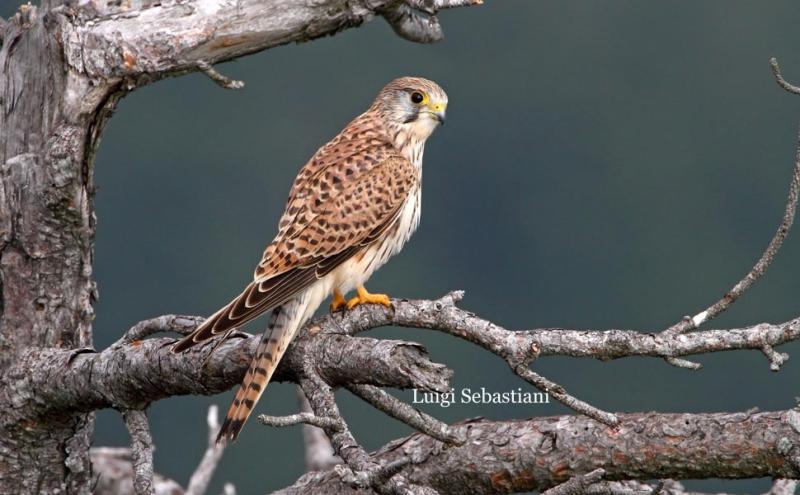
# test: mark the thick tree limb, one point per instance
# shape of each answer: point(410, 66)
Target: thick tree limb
point(63, 68)
point(164, 38)
point(538, 454)
point(133, 375)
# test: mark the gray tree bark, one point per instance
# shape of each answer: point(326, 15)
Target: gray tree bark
point(63, 68)
point(537, 454)
point(49, 125)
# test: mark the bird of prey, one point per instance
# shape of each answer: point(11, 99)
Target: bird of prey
point(352, 206)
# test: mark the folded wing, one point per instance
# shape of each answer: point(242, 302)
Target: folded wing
point(345, 209)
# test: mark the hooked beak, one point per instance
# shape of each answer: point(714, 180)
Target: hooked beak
point(438, 111)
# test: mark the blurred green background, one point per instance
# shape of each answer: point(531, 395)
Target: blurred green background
point(611, 164)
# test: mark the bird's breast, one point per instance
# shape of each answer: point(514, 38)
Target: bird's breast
point(360, 267)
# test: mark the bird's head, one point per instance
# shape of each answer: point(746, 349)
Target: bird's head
point(414, 104)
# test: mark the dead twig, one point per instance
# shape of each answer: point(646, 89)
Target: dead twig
point(756, 272)
point(198, 483)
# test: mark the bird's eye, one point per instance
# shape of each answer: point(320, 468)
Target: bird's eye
point(417, 97)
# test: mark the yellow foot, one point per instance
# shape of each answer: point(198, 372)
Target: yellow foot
point(365, 297)
point(339, 302)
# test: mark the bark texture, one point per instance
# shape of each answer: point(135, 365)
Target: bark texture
point(49, 125)
point(63, 67)
point(536, 454)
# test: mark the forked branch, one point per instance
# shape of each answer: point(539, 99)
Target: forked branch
point(690, 323)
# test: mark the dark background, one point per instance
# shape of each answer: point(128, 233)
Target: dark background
point(611, 164)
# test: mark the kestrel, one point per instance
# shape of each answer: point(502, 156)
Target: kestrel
point(351, 207)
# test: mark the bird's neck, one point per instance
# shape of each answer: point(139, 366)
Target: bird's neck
point(410, 143)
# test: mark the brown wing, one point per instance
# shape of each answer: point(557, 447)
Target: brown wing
point(322, 238)
point(356, 151)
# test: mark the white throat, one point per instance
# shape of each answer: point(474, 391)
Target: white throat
point(410, 140)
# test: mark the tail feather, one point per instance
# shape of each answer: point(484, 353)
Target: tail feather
point(283, 325)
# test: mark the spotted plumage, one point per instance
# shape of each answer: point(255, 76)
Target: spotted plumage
point(352, 206)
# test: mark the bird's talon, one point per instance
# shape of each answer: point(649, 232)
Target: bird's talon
point(365, 297)
point(339, 302)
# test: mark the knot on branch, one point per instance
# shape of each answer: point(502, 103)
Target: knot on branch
point(415, 20)
point(776, 359)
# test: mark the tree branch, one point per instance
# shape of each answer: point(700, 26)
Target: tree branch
point(758, 270)
point(318, 449)
point(133, 375)
point(198, 483)
point(401, 411)
point(129, 471)
point(776, 71)
point(784, 487)
point(113, 471)
point(141, 451)
point(541, 453)
point(361, 471)
point(577, 485)
point(139, 45)
point(689, 323)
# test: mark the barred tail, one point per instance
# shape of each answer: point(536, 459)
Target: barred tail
point(283, 325)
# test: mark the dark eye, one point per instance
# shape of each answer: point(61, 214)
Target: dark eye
point(417, 97)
